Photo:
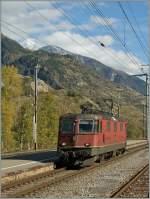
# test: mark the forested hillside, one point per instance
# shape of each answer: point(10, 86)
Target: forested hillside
point(67, 83)
point(18, 110)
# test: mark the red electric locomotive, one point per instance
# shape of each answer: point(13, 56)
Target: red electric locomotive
point(88, 135)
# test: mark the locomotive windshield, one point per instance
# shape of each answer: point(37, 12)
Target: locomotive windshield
point(86, 126)
point(67, 126)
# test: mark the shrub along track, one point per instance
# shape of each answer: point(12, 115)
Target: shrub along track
point(136, 187)
point(26, 187)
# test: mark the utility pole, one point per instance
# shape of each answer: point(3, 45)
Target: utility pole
point(143, 106)
point(147, 94)
point(35, 108)
point(148, 102)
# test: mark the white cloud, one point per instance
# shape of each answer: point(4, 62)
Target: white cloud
point(95, 21)
point(28, 19)
point(48, 13)
point(100, 20)
point(65, 26)
point(54, 31)
point(30, 43)
point(13, 8)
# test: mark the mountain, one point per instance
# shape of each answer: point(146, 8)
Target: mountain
point(11, 50)
point(116, 76)
point(55, 50)
point(106, 72)
point(65, 82)
point(64, 70)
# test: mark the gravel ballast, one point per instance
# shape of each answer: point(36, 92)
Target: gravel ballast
point(100, 182)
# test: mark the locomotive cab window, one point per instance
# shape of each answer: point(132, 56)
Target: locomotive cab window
point(67, 126)
point(86, 126)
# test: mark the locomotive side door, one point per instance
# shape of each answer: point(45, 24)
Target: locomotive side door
point(100, 133)
point(103, 136)
point(107, 135)
point(115, 131)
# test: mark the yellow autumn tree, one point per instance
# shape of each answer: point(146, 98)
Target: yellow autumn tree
point(11, 92)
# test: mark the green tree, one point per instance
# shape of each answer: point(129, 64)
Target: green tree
point(47, 121)
point(8, 142)
point(12, 83)
point(134, 118)
point(23, 126)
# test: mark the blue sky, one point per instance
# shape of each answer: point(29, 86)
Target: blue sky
point(78, 27)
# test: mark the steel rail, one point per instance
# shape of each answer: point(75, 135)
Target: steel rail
point(127, 185)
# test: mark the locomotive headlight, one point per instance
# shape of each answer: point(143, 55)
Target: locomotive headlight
point(86, 144)
point(63, 144)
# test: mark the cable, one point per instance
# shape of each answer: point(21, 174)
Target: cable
point(46, 19)
point(138, 39)
point(67, 35)
point(6, 22)
point(95, 56)
point(109, 28)
point(112, 54)
point(70, 18)
point(136, 22)
point(14, 32)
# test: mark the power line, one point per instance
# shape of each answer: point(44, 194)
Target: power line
point(6, 22)
point(64, 33)
point(139, 40)
point(70, 18)
point(109, 28)
point(13, 32)
point(123, 43)
point(46, 19)
point(136, 22)
point(114, 57)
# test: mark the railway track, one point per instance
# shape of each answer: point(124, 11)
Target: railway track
point(26, 187)
point(136, 187)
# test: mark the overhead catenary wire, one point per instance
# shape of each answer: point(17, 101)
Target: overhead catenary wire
point(136, 35)
point(111, 53)
point(80, 43)
point(113, 32)
point(94, 41)
point(95, 56)
point(137, 24)
point(24, 32)
point(67, 35)
point(20, 35)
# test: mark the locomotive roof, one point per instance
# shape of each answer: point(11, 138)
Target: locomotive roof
point(90, 116)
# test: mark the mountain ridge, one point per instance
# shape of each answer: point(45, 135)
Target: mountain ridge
point(107, 72)
point(25, 60)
